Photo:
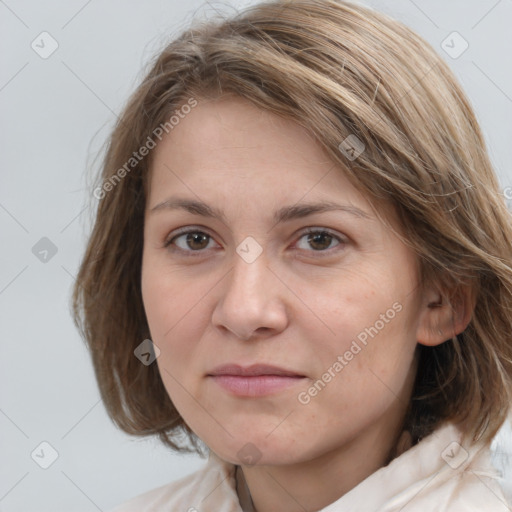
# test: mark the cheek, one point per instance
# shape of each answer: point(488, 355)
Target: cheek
point(354, 306)
point(171, 298)
point(170, 312)
point(177, 319)
point(368, 338)
point(362, 372)
point(157, 300)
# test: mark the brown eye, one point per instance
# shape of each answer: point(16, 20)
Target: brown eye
point(319, 241)
point(190, 241)
point(196, 241)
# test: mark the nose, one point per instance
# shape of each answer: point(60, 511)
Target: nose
point(252, 303)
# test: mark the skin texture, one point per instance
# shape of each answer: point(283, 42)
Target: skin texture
point(294, 306)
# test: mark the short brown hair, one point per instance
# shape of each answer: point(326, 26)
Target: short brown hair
point(338, 69)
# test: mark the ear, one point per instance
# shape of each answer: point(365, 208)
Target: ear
point(444, 315)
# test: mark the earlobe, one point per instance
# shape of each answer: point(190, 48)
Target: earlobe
point(442, 318)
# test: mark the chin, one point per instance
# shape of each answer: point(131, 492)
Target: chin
point(256, 449)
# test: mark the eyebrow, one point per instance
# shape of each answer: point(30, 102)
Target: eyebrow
point(284, 214)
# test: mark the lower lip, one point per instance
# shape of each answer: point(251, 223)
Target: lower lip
point(257, 385)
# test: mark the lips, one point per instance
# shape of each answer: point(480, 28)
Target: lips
point(257, 380)
point(253, 370)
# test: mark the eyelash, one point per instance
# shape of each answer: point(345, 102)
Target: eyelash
point(169, 242)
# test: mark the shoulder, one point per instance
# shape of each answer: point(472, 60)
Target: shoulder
point(460, 476)
point(214, 482)
point(442, 473)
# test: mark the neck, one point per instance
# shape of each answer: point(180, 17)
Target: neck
point(313, 484)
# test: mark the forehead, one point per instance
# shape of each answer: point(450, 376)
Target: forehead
point(230, 144)
point(233, 132)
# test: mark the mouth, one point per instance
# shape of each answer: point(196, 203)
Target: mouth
point(255, 380)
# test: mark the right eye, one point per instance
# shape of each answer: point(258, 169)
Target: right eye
point(189, 241)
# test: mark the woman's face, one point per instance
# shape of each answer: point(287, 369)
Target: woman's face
point(336, 311)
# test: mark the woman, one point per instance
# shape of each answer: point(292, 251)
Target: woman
point(302, 266)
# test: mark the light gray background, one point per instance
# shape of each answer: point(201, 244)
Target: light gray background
point(55, 114)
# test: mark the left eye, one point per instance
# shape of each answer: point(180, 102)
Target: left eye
point(319, 240)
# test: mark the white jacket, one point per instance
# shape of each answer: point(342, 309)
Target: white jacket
point(436, 475)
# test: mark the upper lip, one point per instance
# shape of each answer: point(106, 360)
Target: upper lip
point(255, 369)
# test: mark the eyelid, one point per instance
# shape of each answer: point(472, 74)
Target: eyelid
point(315, 229)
